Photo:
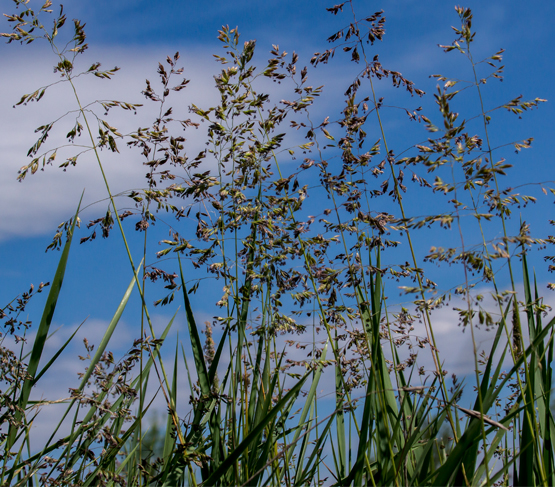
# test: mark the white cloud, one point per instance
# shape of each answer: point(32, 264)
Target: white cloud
point(38, 204)
point(44, 199)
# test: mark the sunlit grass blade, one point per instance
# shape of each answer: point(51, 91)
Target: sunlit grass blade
point(530, 464)
point(492, 451)
point(203, 379)
point(129, 457)
point(109, 331)
point(544, 379)
point(302, 451)
point(213, 369)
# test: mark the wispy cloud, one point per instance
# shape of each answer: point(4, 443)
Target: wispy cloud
point(43, 200)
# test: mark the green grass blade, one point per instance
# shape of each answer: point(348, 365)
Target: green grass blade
point(169, 442)
point(256, 432)
point(118, 404)
point(196, 344)
point(423, 429)
point(109, 331)
point(471, 455)
point(216, 360)
point(263, 405)
point(340, 423)
point(266, 391)
point(527, 460)
point(357, 470)
point(98, 354)
point(44, 326)
point(308, 471)
point(309, 400)
point(255, 390)
point(56, 355)
point(111, 453)
point(473, 431)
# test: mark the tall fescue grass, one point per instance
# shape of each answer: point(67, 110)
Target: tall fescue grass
point(322, 267)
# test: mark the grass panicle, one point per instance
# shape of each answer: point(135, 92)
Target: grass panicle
point(309, 374)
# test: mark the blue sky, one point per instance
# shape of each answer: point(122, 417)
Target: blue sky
point(135, 36)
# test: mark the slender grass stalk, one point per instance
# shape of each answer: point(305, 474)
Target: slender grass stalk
point(255, 414)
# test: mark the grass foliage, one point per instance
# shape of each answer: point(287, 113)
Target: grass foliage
point(302, 249)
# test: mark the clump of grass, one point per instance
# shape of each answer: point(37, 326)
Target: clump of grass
point(288, 266)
